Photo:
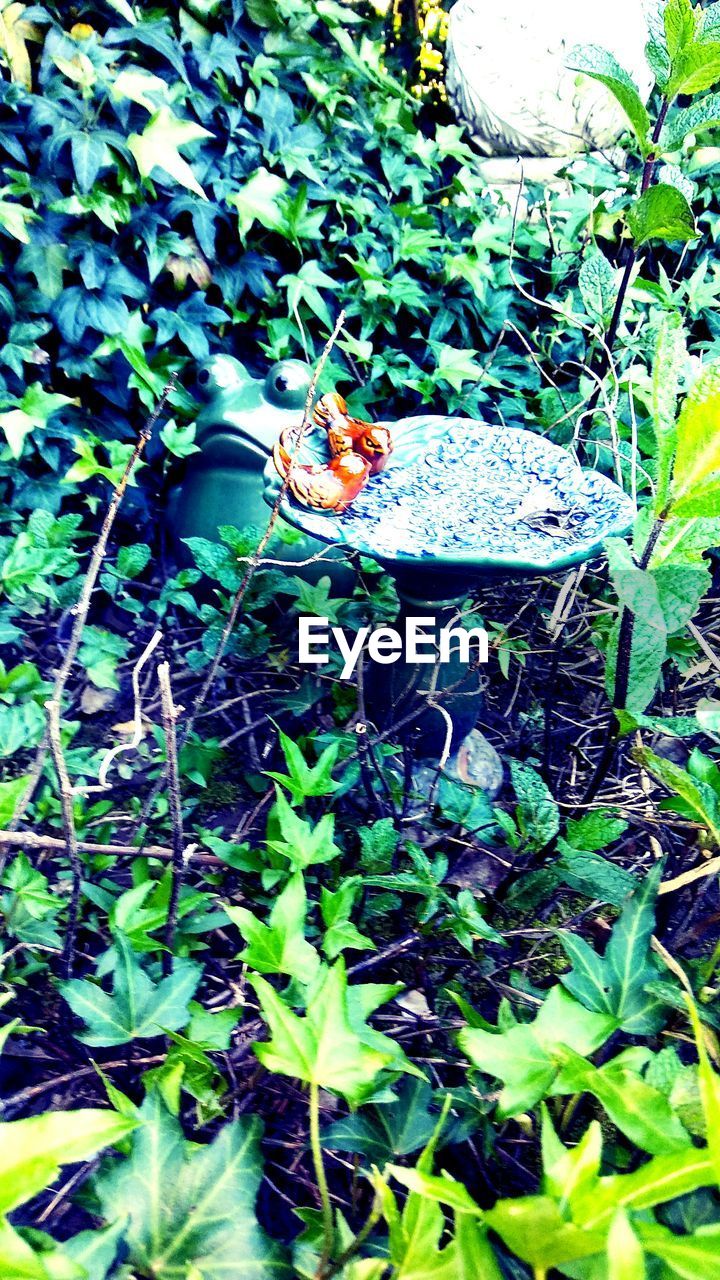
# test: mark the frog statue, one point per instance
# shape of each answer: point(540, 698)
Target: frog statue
point(238, 424)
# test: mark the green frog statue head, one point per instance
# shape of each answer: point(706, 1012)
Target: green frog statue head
point(240, 419)
point(253, 410)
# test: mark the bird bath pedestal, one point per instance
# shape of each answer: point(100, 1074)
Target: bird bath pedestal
point(458, 504)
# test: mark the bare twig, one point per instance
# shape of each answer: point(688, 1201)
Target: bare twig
point(82, 608)
point(71, 845)
point(31, 840)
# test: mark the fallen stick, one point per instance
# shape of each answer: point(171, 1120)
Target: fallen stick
point(31, 840)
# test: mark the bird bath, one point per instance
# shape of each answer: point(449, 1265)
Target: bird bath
point(458, 504)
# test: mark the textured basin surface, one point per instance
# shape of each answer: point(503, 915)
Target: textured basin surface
point(459, 493)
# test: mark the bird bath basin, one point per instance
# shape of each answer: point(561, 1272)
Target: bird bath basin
point(460, 502)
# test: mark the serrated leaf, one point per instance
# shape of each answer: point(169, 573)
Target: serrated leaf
point(600, 65)
point(597, 287)
point(696, 474)
point(695, 68)
point(668, 365)
point(661, 213)
point(595, 830)
point(190, 1208)
point(537, 814)
point(637, 591)
point(679, 22)
point(704, 114)
point(698, 798)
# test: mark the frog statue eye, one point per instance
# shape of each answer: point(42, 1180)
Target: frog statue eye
point(287, 383)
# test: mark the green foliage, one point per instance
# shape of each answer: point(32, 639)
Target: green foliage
point(138, 1007)
point(188, 1208)
point(616, 984)
point(525, 1055)
point(331, 1046)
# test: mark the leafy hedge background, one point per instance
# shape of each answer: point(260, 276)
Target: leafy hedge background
point(225, 176)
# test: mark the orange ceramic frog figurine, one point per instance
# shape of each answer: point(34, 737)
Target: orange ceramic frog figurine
point(345, 434)
point(329, 487)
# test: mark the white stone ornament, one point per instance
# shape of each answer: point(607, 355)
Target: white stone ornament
point(508, 82)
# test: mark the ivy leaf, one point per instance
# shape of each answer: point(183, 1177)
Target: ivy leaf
point(158, 147)
point(32, 413)
point(625, 1254)
point(15, 30)
point(323, 1048)
point(280, 946)
point(302, 844)
point(709, 1089)
point(11, 794)
point(696, 475)
point(336, 908)
point(190, 1210)
point(638, 1110)
point(138, 1008)
point(33, 1150)
point(95, 1251)
point(600, 65)
point(662, 213)
point(524, 1055)
point(615, 983)
point(455, 366)
point(303, 780)
point(260, 199)
point(89, 154)
point(688, 1256)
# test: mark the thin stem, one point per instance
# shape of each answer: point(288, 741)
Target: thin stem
point(321, 1179)
point(68, 814)
point(355, 1245)
point(169, 719)
point(648, 174)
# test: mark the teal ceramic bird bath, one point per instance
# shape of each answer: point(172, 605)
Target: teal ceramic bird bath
point(240, 420)
point(459, 503)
